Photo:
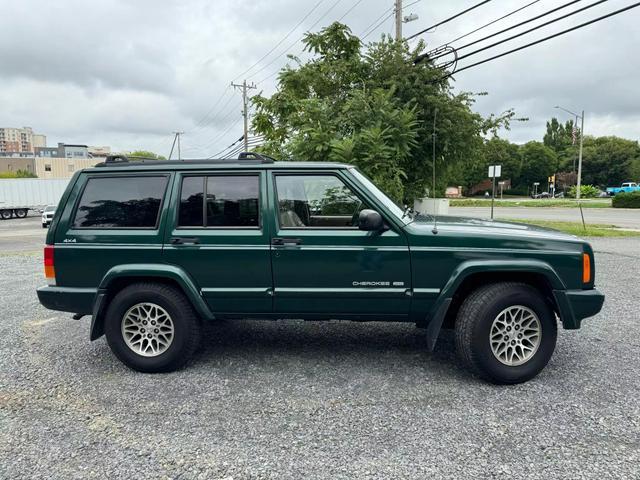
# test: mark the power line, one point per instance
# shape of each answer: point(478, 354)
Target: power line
point(378, 25)
point(582, 25)
point(207, 143)
point(390, 9)
point(201, 121)
point(370, 30)
point(549, 12)
point(350, 9)
point(294, 43)
point(491, 23)
point(447, 20)
point(211, 120)
point(280, 42)
point(537, 27)
point(227, 130)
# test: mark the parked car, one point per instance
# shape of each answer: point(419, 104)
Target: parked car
point(625, 187)
point(47, 215)
point(541, 195)
point(153, 250)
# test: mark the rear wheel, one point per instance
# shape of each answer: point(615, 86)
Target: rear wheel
point(5, 214)
point(21, 213)
point(152, 327)
point(506, 332)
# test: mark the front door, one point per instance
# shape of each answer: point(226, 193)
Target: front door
point(323, 264)
point(218, 235)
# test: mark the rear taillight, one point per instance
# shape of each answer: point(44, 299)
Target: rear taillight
point(586, 268)
point(49, 269)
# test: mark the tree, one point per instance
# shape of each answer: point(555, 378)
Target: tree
point(609, 161)
point(370, 105)
point(538, 163)
point(495, 151)
point(558, 137)
point(146, 154)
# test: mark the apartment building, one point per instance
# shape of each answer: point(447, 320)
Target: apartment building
point(20, 140)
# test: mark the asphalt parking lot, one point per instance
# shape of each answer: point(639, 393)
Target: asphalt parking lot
point(310, 399)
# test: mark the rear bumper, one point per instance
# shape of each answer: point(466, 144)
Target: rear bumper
point(65, 299)
point(576, 305)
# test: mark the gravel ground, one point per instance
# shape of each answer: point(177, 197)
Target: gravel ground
point(317, 400)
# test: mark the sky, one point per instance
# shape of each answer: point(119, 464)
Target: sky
point(128, 73)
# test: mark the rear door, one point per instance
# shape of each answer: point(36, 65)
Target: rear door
point(217, 233)
point(323, 264)
point(109, 219)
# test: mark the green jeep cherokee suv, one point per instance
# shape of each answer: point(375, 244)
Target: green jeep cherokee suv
point(152, 249)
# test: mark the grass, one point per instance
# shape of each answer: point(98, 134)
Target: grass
point(541, 203)
point(576, 228)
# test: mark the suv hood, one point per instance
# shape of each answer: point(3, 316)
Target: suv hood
point(423, 225)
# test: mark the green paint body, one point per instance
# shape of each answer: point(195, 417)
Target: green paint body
point(408, 272)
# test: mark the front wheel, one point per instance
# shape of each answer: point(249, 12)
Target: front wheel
point(506, 332)
point(152, 327)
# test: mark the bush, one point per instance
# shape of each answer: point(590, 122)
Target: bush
point(18, 174)
point(586, 191)
point(626, 200)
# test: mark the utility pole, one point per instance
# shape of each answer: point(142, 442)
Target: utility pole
point(398, 19)
point(244, 87)
point(176, 138)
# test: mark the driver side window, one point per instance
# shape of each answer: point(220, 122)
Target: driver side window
point(316, 201)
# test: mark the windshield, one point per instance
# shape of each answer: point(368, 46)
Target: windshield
point(50, 208)
point(382, 197)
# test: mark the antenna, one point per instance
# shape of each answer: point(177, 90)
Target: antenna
point(435, 217)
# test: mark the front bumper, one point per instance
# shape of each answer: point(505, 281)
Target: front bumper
point(65, 299)
point(576, 305)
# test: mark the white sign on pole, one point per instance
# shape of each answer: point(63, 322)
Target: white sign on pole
point(495, 168)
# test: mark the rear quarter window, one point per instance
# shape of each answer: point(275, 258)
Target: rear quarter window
point(121, 202)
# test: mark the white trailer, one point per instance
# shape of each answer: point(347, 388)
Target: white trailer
point(19, 195)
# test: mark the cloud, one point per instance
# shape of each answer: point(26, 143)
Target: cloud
point(128, 73)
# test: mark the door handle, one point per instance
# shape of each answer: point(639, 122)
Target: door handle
point(185, 241)
point(285, 241)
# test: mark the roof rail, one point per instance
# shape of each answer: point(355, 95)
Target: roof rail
point(255, 156)
point(116, 159)
point(124, 160)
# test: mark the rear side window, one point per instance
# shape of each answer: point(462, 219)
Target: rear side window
point(220, 201)
point(121, 202)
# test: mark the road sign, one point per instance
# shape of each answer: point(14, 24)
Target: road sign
point(495, 169)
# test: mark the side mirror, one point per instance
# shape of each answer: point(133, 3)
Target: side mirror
point(370, 220)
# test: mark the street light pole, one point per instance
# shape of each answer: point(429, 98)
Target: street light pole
point(580, 157)
point(579, 180)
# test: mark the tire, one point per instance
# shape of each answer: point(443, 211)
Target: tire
point(21, 213)
point(5, 214)
point(488, 311)
point(44, 225)
point(129, 309)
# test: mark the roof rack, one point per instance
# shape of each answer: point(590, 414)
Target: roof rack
point(121, 160)
point(255, 156)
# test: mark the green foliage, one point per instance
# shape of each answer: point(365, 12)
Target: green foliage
point(538, 162)
point(608, 161)
point(18, 174)
point(626, 200)
point(370, 106)
point(146, 155)
point(559, 137)
point(586, 191)
point(580, 230)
